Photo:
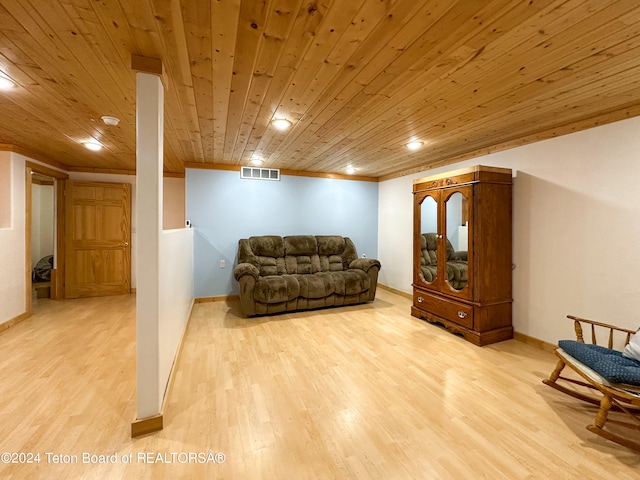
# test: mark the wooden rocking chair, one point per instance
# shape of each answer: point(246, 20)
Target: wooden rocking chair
point(603, 393)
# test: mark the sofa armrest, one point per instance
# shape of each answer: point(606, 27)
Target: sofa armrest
point(371, 267)
point(364, 264)
point(459, 255)
point(243, 269)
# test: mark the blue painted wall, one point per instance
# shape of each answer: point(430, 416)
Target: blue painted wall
point(224, 208)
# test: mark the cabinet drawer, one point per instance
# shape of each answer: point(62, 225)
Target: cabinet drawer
point(442, 307)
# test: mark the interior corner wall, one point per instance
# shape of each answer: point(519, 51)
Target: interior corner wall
point(5, 189)
point(12, 242)
point(224, 208)
point(173, 203)
point(576, 221)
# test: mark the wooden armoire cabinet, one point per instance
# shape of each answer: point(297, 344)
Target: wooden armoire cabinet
point(462, 252)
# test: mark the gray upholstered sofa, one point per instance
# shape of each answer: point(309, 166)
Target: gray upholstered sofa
point(457, 268)
point(300, 272)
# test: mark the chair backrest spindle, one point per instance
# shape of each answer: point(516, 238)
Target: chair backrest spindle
point(578, 328)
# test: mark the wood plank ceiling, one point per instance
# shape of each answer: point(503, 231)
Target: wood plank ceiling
point(358, 79)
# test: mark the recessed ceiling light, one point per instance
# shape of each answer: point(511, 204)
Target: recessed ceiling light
point(108, 120)
point(5, 82)
point(93, 145)
point(281, 123)
point(350, 170)
point(257, 161)
point(415, 145)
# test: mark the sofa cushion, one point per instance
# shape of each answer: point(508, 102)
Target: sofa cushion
point(301, 264)
point(425, 258)
point(331, 263)
point(267, 246)
point(351, 282)
point(428, 249)
point(429, 272)
point(318, 285)
point(270, 266)
point(330, 244)
point(331, 249)
point(300, 245)
point(301, 254)
point(608, 363)
point(268, 253)
point(457, 272)
point(276, 289)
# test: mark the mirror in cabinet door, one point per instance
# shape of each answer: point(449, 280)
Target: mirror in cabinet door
point(426, 244)
point(458, 253)
point(442, 250)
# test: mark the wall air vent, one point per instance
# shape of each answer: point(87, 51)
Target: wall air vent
point(256, 173)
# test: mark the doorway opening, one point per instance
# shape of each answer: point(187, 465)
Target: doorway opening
point(42, 234)
point(44, 248)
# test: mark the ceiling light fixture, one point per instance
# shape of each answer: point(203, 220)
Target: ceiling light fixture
point(93, 145)
point(108, 120)
point(414, 145)
point(5, 82)
point(257, 160)
point(350, 170)
point(281, 123)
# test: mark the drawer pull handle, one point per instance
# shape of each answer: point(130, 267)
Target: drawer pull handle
point(420, 299)
point(462, 314)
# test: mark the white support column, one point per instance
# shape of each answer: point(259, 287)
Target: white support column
point(149, 166)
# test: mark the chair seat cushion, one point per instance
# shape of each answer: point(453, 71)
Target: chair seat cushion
point(351, 282)
point(276, 289)
point(609, 363)
point(318, 285)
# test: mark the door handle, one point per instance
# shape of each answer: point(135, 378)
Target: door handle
point(125, 244)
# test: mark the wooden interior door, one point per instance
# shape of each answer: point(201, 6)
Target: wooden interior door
point(98, 250)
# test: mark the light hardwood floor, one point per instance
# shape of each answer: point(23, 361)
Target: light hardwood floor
point(363, 392)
